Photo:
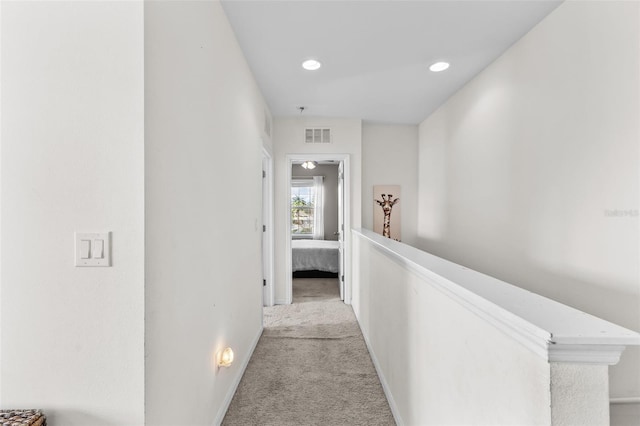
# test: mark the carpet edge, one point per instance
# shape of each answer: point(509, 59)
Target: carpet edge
point(383, 381)
point(232, 390)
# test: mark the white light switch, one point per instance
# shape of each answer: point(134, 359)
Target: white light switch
point(98, 249)
point(85, 249)
point(93, 249)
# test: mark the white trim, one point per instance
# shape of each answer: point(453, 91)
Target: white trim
point(585, 354)
point(345, 159)
point(236, 381)
point(383, 381)
point(625, 400)
point(346, 178)
point(550, 329)
point(268, 257)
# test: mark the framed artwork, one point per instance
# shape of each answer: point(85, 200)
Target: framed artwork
point(386, 211)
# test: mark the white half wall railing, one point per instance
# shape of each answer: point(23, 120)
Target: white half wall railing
point(454, 346)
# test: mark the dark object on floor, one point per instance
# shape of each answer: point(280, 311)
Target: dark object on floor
point(22, 417)
point(315, 274)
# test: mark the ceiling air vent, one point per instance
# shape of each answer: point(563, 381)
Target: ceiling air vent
point(317, 135)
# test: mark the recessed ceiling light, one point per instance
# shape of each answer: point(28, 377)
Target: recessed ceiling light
point(311, 65)
point(439, 66)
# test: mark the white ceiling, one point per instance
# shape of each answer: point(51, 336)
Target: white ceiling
point(375, 54)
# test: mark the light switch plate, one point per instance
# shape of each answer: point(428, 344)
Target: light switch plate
point(99, 245)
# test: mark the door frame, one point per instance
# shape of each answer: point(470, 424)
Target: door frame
point(268, 273)
point(346, 196)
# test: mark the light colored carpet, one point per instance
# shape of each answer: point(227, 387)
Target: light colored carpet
point(311, 366)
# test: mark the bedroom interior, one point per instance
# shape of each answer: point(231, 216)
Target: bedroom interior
point(314, 221)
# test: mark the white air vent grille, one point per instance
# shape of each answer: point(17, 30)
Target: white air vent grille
point(317, 136)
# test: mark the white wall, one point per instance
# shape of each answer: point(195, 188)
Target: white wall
point(203, 158)
point(288, 138)
point(441, 363)
point(1, 138)
point(72, 160)
point(390, 157)
point(519, 170)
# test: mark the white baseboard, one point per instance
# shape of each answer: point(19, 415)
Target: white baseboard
point(232, 390)
point(282, 302)
point(625, 400)
point(383, 381)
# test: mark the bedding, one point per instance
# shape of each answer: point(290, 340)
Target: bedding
point(314, 255)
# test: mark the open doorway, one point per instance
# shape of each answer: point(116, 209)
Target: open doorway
point(317, 244)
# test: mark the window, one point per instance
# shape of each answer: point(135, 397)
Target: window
point(302, 208)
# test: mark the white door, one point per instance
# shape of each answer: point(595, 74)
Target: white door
point(267, 231)
point(341, 227)
point(265, 245)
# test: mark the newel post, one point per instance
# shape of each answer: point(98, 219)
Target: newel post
point(580, 383)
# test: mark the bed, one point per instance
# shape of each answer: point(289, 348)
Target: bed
point(314, 255)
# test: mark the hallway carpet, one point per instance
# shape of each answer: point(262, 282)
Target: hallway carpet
point(310, 367)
